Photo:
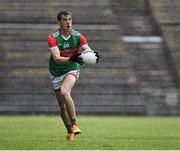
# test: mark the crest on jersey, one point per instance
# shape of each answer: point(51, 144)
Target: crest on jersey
point(66, 45)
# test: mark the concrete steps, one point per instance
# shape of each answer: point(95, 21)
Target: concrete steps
point(166, 14)
point(150, 61)
point(151, 67)
point(46, 11)
point(134, 17)
point(25, 78)
point(121, 83)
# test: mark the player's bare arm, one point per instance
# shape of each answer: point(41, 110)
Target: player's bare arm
point(86, 47)
point(57, 56)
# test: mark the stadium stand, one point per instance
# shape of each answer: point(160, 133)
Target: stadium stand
point(166, 16)
point(132, 77)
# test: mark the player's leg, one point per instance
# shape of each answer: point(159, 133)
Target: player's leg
point(64, 115)
point(56, 82)
point(65, 89)
point(63, 110)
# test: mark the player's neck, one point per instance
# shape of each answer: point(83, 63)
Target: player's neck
point(65, 33)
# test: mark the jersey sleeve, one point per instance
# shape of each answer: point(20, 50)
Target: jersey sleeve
point(52, 41)
point(83, 40)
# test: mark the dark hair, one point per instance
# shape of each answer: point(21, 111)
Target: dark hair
point(65, 13)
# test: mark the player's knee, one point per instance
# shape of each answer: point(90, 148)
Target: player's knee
point(64, 91)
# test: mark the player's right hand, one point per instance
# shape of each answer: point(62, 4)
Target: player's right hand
point(97, 55)
point(76, 58)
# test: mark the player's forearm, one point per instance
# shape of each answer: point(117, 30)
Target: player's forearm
point(60, 59)
point(86, 47)
point(55, 52)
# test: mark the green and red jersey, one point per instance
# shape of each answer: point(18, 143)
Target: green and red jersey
point(67, 47)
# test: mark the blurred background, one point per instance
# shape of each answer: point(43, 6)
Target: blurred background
point(139, 69)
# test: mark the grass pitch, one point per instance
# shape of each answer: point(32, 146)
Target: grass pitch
point(98, 133)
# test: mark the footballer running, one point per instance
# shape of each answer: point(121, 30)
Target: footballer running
point(64, 67)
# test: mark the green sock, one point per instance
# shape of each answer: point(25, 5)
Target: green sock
point(69, 129)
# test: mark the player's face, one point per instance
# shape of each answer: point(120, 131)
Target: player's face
point(66, 23)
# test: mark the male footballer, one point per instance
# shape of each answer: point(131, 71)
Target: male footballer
point(64, 67)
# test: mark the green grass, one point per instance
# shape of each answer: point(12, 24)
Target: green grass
point(98, 133)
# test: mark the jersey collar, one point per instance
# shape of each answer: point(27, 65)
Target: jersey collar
point(65, 37)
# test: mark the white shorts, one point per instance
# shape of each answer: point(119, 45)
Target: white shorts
point(57, 81)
